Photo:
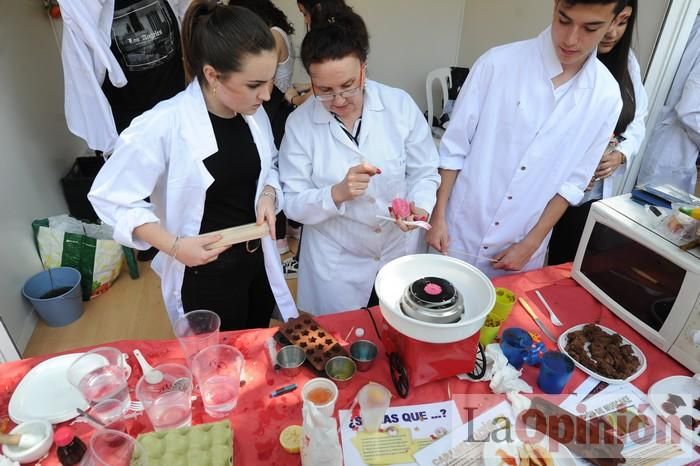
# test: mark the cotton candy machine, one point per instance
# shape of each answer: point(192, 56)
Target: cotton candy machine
point(433, 308)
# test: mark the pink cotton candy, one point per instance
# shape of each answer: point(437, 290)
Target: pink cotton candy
point(401, 207)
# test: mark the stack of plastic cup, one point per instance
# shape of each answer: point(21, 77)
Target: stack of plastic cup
point(505, 299)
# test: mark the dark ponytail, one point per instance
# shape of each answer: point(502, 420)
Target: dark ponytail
point(617, 62)
point(336, 32)
point(221, 36)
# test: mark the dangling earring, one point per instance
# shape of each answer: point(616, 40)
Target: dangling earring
point(214, 90)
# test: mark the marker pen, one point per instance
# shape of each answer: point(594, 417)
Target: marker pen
point(283, 390)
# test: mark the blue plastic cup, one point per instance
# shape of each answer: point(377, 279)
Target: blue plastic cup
point(555, 372)
point(515, 344)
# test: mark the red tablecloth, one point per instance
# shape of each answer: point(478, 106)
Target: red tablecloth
point(258, 419)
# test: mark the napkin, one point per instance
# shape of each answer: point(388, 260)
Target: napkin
point(504, 377)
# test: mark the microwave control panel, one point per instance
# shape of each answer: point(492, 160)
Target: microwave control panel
point(686, 348)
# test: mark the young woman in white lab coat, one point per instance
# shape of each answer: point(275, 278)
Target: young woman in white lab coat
point(616, 54)
point(207, 160)
point(347, 152)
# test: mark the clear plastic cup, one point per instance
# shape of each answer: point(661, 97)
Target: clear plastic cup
point(110, 413)
point(197, 330)
point(217, 370)
point(100, 374)
point(374, 400)
point(168, 403)
point(113, 448)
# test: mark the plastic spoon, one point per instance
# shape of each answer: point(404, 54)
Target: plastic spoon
point(151, 375)
point(22, 441)
point(414, 223)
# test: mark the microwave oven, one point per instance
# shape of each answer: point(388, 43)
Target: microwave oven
point(642, 277)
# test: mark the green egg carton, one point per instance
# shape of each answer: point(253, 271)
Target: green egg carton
point(202, 445)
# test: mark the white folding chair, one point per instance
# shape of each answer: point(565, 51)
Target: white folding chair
point(444, 77)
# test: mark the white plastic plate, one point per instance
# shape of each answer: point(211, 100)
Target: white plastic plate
point(564, 338)
point(685, 387)
point(560, 454)
point(44, 393)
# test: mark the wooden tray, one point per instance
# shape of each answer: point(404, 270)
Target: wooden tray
point(235, 235)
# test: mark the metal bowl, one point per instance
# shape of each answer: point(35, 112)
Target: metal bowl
point(290, 359)
point(340, 370)
point(363, 352)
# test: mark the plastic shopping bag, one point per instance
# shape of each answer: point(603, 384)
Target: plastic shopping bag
point(88, 247)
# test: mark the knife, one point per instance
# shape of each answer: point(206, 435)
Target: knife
point(539, 323)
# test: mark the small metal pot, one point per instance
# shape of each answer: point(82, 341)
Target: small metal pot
point(363, 352)
point(290, 359)
point(340, 370)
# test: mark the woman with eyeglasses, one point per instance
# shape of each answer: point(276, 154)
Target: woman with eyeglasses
point(206, 158)
point(346, 153)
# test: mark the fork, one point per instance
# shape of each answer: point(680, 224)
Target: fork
point(135, 406)
point(552, 316)
point(414, 223)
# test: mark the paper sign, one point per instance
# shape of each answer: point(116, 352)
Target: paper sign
point(405, 430)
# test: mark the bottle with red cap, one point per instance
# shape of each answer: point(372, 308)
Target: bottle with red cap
point(70, 448)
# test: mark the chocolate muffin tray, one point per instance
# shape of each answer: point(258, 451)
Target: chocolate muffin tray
point(318, 344)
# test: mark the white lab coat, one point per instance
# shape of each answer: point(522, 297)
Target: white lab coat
point(635, 131)
point(674, 144)
point(161, 155)
point(86, 57)
point(344, 247)
point(516, 147)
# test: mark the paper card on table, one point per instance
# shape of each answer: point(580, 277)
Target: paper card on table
point(648, 439)
point(463, 446)
point(405, 430)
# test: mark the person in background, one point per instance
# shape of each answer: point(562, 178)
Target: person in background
point(347, 152)
point(110, 82)
point(671, 156)
point(615, 53)
point(299, 93)
point(527, 132)
point(206, 158)
point(296, 95)
point(277, 108)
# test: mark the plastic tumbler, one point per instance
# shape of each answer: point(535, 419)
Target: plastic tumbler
point(555, 371)
point(505, 299)
point(168, 403)
point(110, 413)
point(515, 343)
point(99, 375)
point(322, 393)
point(218, 373)
point(374, 400)
point(113, 448)
point(197, 330)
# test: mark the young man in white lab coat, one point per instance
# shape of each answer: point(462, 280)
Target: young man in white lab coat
point(524, 140)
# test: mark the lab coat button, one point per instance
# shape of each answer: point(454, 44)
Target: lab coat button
point(523, 168)
point(486, 247)
point(376, 258)
point(497, 223)
point(510, 198)
point(377, 230)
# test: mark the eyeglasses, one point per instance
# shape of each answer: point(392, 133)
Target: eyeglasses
point(345, 94)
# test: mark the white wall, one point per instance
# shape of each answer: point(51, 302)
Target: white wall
point(37, 149)
point(408, 39)
point(488, 23)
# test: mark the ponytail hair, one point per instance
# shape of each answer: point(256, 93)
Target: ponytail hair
point(221, 36)
point(336, 32)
